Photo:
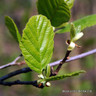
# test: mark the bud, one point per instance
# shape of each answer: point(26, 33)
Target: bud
point(48, 84)
point(47, 70)
point(71, 46)
point(41, 76)
point(53, 28)
point(77, 36)
point(72, 31)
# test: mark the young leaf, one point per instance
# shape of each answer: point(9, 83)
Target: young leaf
point(56, 10)
point(70, 3)
point(84, 22)
point(64, 76)
point(75, 33)
point(72, 31)
point(37, 42)
point(48, 70)
point(12, 28)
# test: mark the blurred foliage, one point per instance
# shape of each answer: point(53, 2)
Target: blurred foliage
point(89, 42)
point(13, 5)
point(86, 85)
point(89, 62)
point(52, 91)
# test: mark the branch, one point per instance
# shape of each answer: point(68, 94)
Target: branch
point(25, 70)
point(75, 57)
point(51, 64)
point(53, 73)
point(13, 63)
point(18, 82)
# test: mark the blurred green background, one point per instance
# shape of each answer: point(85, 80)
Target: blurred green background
point(21, 11)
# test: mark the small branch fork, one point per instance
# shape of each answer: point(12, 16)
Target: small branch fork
point(18, 82)
point(27, 69)
point(13, 63)
point(75, 57)
point(60, 64)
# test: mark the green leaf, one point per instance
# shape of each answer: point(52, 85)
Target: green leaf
point(72, 31)
point(84, 22)
point(75, 33)
point(64, 76)
point(12, 28)
point(70, 3)
point(37, 42)
point(78, 29)
point(48, 70)
point(56, 10)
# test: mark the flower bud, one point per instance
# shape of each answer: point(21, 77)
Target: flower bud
point(41, 76)
point(48, 84)
point(53, 28)
point(77, 36)
point(71, 46)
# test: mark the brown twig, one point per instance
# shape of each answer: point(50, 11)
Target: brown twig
point(60, 64)
point(75, 57)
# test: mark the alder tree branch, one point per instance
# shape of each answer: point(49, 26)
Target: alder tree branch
point(24, 70)
point(13, 63)
point(61, 63)
point(51, 64)
point(34, 83)
point(75, 57)
point(18, 82)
